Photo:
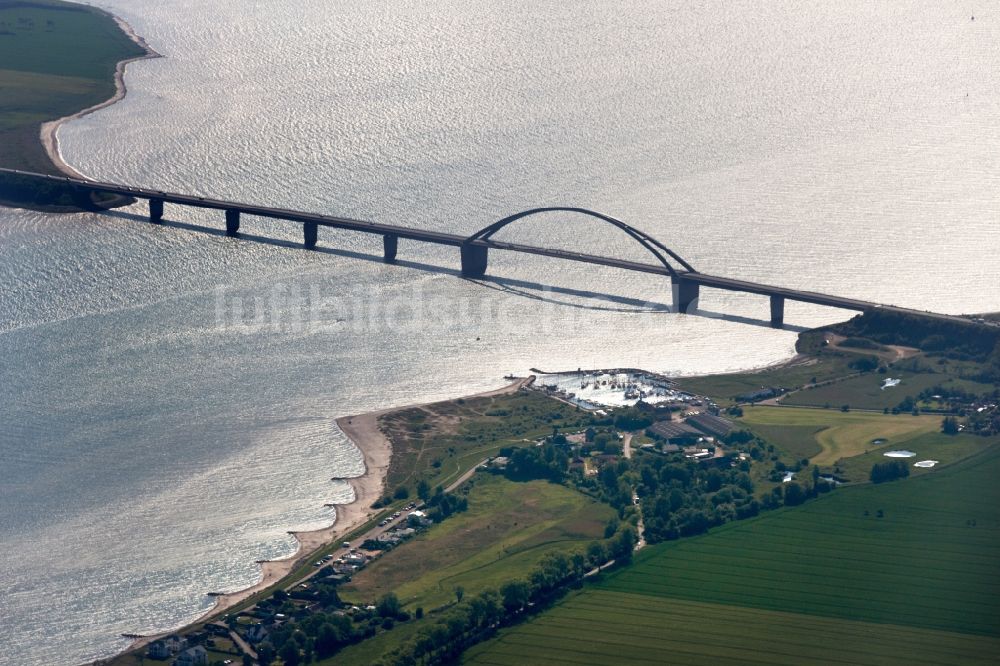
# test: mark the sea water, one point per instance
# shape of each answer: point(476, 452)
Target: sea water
point(168, 395)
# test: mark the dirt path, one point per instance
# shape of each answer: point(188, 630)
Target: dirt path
point(640, 527)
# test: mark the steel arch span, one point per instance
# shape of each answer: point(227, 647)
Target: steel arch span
point(653, 246)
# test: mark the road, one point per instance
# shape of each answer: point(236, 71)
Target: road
point(640, 527)
point(465, 477)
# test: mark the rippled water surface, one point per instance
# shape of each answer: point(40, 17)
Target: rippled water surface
point(168, 395)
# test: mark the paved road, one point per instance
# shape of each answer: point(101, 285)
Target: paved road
point(465, 477)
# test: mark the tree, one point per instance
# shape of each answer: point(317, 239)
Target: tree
point(623, 544)
point(265, 653)
point(388, 606)
point(401, 493)
point(596, 554)
point(794, 495)
point(515, 595)
point(289, 653)
point(423, 490)
point(459, 593)
point(888, 471)
point(949, 425)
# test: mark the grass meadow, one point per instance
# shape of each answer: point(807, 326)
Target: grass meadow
point(725, 387)
point(438, 442)
point(899, 573)
point(866, 392)
point(56, 58)
point(506, 530)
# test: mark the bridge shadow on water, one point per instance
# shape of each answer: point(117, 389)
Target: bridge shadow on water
point(542, 293)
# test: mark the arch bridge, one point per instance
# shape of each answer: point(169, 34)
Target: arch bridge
point(685, 280)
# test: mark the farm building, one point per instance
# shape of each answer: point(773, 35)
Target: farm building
point(674, 433)
point(716, 426)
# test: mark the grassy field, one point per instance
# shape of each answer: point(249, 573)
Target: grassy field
point(56, 58)
point(946, 449)
point(507, 528)
point(438, 442)
point(724, 387)
point(797, 441)
point(837, 434)
point(899, 573)
point(865, 391)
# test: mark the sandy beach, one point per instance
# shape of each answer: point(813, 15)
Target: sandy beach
point(49, 130)
point(364, 432)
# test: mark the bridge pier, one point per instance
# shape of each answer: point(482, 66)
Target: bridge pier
point(777, 311)
point(474, 260)
point(685, 294)
point(310, 232)
point(156, 210)
point(232, 222)
point(390, 244)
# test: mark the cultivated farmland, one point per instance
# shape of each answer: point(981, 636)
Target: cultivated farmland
point(901, 573)
point(837, 434)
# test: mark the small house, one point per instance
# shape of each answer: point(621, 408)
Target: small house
point(158, 650)
point(194, 656)
point(256, 633)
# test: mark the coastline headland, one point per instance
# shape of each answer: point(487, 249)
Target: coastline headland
point(74, 67)
point(49, 130)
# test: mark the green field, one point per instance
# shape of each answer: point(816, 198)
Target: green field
point(506, 530)
point(836, 434)
point(865, 391)
point(438, 442)
point(946, 449)
point(797, 441)
point(827, 582)
point(723, 388)
point(56, 58)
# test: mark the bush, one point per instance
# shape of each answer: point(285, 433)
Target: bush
point(889, 471)
point(860, 343)
point(865, 363)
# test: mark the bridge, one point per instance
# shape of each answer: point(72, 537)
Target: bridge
point(686, 281)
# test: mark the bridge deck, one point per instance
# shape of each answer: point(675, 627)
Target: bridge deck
point(443, 238)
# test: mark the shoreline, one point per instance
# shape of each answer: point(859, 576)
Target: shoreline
point(48, 130)
point(376, 450)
